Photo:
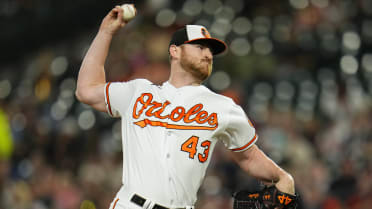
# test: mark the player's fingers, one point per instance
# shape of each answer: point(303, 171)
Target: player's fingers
point(118, 9)
point(114, 13)
point(120, 12)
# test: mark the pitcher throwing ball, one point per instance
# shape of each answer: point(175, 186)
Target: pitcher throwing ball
point(169, 131)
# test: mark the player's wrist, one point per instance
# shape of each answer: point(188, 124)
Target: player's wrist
point(106, 34)
point(286, 184)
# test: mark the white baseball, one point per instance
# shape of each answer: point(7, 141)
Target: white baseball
point(129, 12)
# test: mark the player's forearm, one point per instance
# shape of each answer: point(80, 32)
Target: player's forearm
point(257, 164)
point(269, 172)
point(92, 71)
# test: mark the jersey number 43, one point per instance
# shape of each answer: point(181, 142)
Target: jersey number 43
point(190, 146)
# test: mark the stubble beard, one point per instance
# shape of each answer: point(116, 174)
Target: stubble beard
point(200, 70)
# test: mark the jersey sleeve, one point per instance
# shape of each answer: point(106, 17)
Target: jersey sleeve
point(118, 96)
point(239, 133)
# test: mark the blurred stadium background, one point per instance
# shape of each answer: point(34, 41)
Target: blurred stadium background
point(301, 69)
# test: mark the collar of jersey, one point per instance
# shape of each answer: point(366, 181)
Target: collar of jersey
point(169, 85)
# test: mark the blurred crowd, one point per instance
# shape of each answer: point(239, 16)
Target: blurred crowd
point(301, 69)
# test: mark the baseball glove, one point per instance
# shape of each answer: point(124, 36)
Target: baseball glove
point(267, 198)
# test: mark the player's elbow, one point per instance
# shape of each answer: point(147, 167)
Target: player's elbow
point(92, 96)
point(78, 95)
point(81, 96)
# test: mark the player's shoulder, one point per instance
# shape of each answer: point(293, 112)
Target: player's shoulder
point(219, 97)
point(141, 81)
point(133, 81)
point(134, 84)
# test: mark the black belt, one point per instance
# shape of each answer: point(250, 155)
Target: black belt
point(141, 201)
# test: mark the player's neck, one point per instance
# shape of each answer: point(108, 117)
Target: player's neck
point(179, 78)
point(179, 81)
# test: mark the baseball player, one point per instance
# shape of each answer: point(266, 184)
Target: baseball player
point(169, 131)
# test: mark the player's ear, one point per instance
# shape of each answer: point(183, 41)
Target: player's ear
point(174, 51)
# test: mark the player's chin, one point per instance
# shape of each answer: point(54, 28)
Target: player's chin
point(205, 73)
point(207, 69)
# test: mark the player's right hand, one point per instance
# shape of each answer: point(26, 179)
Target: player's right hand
point(113, 21)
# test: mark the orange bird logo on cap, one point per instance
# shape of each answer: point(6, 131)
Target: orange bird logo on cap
point(205, 33)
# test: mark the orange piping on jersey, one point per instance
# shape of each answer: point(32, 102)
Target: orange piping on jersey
point(245, 146)
point(108, 98)
point(116, 201)
point(145, 122)
point(250, 123)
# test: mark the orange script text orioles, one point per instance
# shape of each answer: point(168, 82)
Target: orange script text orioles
point(145, 105)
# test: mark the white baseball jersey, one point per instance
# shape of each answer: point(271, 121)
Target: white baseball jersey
point(168, 136)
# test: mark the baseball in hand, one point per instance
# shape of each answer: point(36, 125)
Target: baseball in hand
point(129, 12)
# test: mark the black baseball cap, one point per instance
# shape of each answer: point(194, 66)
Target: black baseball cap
point(197, 34)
